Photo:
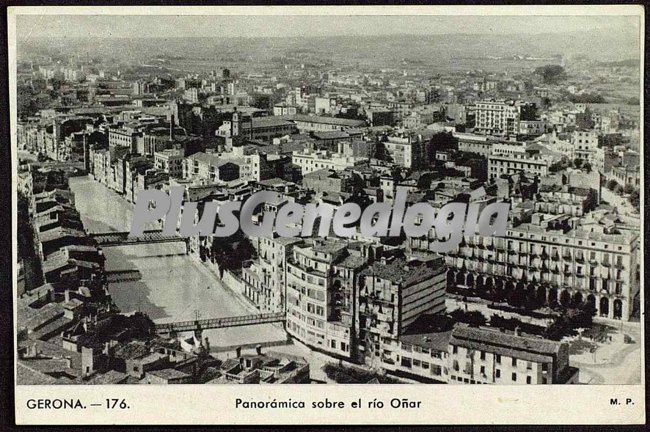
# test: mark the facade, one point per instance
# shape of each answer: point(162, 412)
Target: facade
point(124, 137)
point(507, 159)
point(405, 151)
point(393, 293)
point(209, 168)
point(306, 123)
point(585, 145)
point(170, 161)
point(480, 144)
point(482, 356)
point(321, 295)
point(315, 160)
point(501, 118)
point(264, 279)
point(548, 260)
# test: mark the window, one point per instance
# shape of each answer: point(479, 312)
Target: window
point(482, 355)
point(514, 376)
point(455, 349)
point(529, 380)
point(483, 370)
point(497, 373)
point(498, 358)
point(514, 361)
point(544, 380)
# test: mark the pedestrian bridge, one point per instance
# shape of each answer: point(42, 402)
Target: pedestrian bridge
point(118, 238)
point(213, 323)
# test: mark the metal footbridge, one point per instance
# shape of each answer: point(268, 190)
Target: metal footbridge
point(213, 323)
point(122, 238)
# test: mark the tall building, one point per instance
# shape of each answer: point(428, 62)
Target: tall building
point(321, 289)
point(502, 117)
point(393, 293)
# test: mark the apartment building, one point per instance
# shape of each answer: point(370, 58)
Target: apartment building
point(393, 293)
point(405, 151)
point(209, 168)
point(501, 118)
point(488, 356)
point(170, 161)
point(264, 278)
point(313, 160)
point(321, 295)
point(478, 355)
point(124, 137)
point(480, 144)
point(553, 260)
point(513, 158)
point(585, 145)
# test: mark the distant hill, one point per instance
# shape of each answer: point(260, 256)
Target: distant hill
point(376, 50)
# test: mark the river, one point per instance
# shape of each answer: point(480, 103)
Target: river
point(174, 286)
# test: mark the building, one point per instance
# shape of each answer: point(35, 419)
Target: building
point(393, 293)
point(550, 262)
point(209, 168)
point(315, 160)
point(487, 356)
point(264, 278)
point(502, 118)
point(405, 151)
point(170, 161)
point(258, 128)
point(124, 137)
point(585, 145)
point(321, 295)
point(307, 123)
point(512, 158)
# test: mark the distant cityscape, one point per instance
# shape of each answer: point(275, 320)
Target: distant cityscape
point(555, 135)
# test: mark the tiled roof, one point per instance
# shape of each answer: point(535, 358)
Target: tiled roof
point(402, 272)
point(526, 348)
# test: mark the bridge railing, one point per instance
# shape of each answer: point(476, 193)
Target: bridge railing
point(220, 322)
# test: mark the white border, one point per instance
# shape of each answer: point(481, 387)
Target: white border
point(450, 404)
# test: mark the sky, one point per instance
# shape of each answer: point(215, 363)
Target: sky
point(291, 26)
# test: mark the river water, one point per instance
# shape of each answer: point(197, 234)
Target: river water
point(174, 286)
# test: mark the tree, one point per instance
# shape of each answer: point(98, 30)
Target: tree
point(577, 162)
point(611, 184)
point(516, 298)
point(635, 199)
point(628, 189)
point(551, 74)
point(262, 101)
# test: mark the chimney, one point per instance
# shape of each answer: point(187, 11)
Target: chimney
point(238, 352)
point(517, 331)
point(258, 349)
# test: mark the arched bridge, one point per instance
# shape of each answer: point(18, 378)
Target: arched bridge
point(118, 238)
point(213, 323)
